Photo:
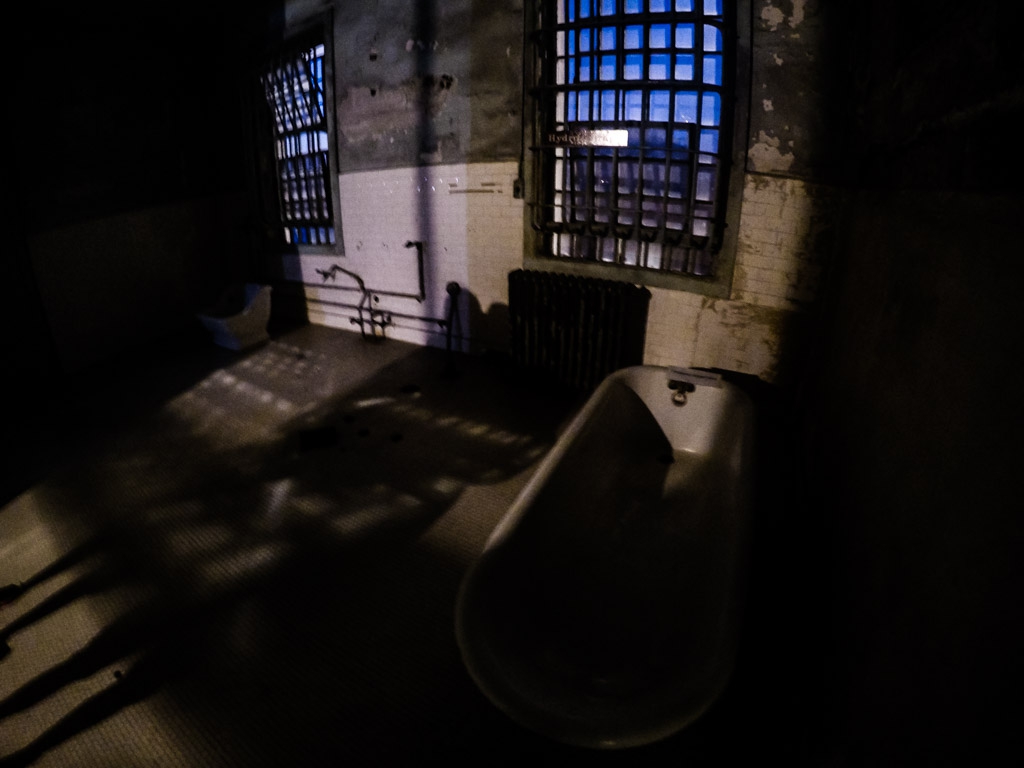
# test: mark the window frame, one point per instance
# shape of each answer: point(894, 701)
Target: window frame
point(717, 285)
point(318, 30)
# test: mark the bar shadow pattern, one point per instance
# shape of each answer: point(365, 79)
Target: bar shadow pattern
point(270, 564)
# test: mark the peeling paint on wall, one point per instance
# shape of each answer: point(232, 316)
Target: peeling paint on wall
point(797, 17)
point(774, 17)
point(765, 156)
point(789, 102)
point(786, 235)
point(742, 337)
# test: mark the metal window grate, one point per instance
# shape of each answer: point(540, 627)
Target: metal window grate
point(294, 87)
point(632, 98)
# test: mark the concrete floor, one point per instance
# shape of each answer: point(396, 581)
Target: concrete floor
point(241, 559)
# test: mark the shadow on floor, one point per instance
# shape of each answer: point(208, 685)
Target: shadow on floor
point(280, 579)
point(273, 557)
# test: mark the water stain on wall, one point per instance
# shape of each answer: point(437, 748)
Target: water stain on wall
point(373, 114)
point(420, 82)
point(739, 336)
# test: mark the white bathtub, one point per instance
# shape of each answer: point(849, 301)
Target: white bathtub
point(603, 611)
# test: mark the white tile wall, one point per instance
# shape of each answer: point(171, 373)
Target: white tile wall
point(672, 326)
point(472, 230)
point(467, 219)
point(778, 263)
point(778, 266)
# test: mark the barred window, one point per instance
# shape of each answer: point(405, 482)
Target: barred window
point(632, 134)
point(294, 88)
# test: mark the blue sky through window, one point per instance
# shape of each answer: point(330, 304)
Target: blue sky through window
point(656, 69)
point(601, 48)
point(295, 93)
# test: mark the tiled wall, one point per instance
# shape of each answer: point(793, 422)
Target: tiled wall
point(784, 239)
point(470, 223)
point(784, 229)
point(471, 227)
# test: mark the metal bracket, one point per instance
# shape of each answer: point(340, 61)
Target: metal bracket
point(679, 377)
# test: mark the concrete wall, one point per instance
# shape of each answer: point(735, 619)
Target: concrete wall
point(429, 95)
point(427, 82)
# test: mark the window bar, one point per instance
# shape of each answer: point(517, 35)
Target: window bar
point(620, 106)
point(294, 94)
point(304, 90)
point(313, 94)
point(596, 114)
point(296, 187)
point(321, 165)
point(583, 176)
point(315, 87)
point(296, 175)
point(641, 160)
point(309, 206)
point(279, 98)
point(288, 97)
point(289, 177)
point(304, 87)
point(287, 189)
point(291, 97)
point(613, 201)
point(317, 78)
point(302, 163)
point(313, 205)
point(698, 76)
point(666, 166)
point(321, 175)
point(296, 179)
point(293, 184)
point(590, 204)
point(552, 171)
point(686, 162)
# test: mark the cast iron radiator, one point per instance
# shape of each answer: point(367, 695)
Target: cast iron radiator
point(576, 330)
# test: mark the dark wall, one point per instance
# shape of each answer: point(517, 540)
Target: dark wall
point(123, 108)
point(912, 414)
point(128, 124)
point(938, 94)
point(143, 106)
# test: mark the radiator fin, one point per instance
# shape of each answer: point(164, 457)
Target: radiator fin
point(574, 329)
